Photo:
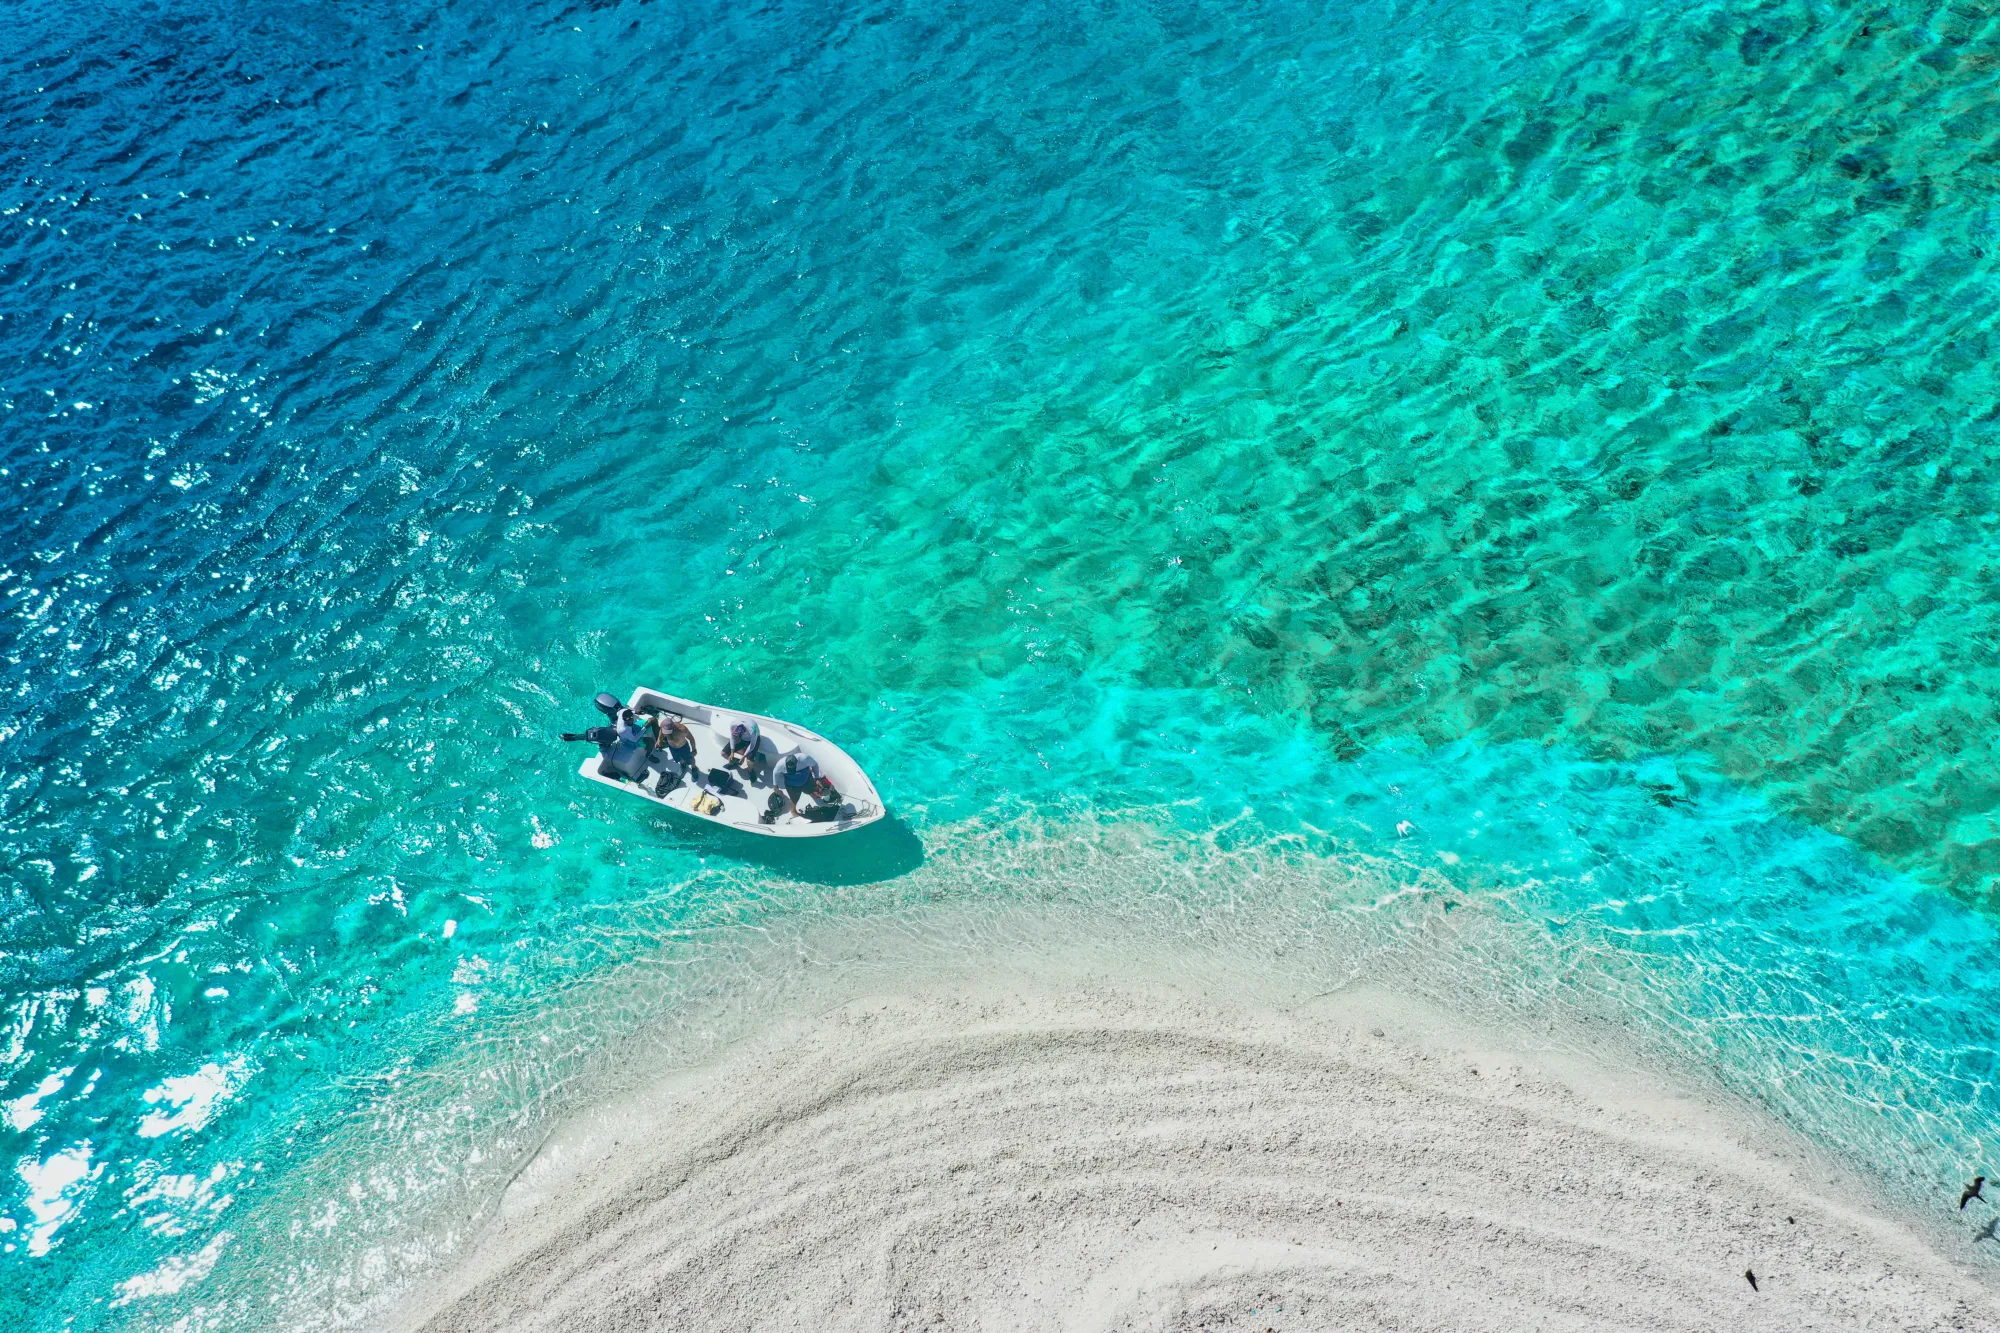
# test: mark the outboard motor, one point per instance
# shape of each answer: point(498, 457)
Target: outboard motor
point(608, 705)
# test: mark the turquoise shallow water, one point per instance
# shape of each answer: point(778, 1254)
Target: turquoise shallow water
point(1501, 494)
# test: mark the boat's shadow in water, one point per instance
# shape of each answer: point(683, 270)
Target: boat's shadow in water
point(882, 850)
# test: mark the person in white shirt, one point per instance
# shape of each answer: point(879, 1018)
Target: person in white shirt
point(747, 752)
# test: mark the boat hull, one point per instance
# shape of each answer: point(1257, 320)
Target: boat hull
point(861, 805)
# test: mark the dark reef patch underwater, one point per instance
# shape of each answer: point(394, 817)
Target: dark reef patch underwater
point(1520, 474)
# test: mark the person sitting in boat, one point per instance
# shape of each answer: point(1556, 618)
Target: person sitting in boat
point(800, 776)
point(749, 753)
point(797, 776)
point(621, 747)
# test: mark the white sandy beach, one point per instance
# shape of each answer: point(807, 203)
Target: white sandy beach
point(1071, 1153)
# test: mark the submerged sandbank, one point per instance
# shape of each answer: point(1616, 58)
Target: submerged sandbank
point(1085, 1149)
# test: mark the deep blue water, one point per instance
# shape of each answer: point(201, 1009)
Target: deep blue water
point(1498, 496)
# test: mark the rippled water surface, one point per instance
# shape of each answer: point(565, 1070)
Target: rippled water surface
point(1501, 492)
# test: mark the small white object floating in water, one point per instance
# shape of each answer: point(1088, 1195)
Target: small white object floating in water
point(860, 804)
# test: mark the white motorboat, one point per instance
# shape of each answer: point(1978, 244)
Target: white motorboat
point(699, 798)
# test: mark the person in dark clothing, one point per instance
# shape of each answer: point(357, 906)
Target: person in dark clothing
point(796, 775)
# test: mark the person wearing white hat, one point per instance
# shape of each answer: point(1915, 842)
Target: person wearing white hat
point(746, 751)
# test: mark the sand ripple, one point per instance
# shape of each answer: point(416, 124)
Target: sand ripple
point(1087, 1156)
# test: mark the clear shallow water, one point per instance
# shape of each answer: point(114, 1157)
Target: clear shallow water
point(1215, 435)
